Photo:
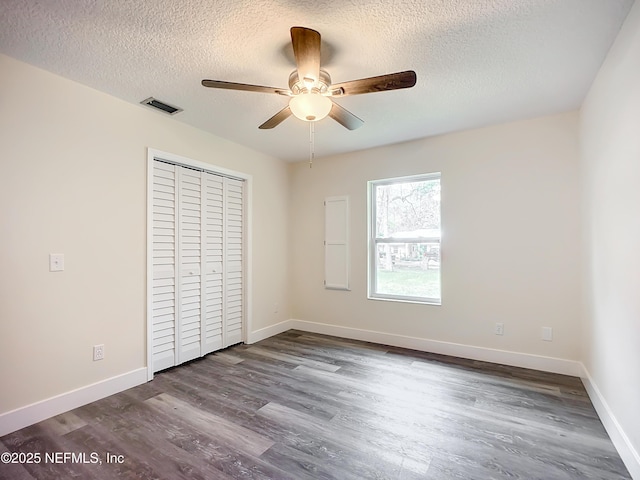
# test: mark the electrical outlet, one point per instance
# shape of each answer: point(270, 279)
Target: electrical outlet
point(499, 329)
point(98, 352)
point(547, 334)
point(56, 262)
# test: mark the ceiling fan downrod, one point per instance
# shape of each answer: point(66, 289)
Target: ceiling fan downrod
point(312, 146)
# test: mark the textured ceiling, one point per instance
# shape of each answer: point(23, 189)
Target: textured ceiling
point(478, 62)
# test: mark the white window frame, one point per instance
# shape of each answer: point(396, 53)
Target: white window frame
point(374, 241)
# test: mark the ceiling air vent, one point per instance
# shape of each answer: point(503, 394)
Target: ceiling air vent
point(157, 104)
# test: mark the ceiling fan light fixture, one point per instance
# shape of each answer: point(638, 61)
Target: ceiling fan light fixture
point(310, 107)
point(310, 89)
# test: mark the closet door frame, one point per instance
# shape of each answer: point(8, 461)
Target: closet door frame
point(153, 155)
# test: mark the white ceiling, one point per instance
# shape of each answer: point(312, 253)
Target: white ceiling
point(478, 62)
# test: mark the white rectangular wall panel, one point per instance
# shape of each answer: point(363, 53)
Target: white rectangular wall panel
point(336, 243)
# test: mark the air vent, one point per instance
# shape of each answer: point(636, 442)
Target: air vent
point(157, 104)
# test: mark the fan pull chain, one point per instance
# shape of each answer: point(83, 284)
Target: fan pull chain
point(312, 147)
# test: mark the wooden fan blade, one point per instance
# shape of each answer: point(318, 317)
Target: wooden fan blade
point(243, 86)
point(392, 81)
point(344, 117)
point(306, 48)
point(277, 119)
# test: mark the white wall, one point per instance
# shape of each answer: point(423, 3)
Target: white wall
point(511, 237)
point(610, 144)
point(73, 173)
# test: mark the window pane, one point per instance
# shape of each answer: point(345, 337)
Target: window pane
point(408, 210)
point(408, 270)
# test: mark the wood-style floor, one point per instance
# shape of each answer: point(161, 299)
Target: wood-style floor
point(306, 406)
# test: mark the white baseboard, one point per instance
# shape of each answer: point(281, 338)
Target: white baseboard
point(628, 453)
point(269, 331)
point(36, 412)
point(524, 360)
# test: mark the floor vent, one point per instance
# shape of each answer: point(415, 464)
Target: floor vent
point(157, 104)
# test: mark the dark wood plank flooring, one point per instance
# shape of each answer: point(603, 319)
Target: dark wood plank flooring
point(305, 406)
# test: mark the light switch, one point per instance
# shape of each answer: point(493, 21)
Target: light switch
point(56, 262)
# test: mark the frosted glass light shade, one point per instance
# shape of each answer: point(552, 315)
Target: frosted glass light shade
point(310, 107)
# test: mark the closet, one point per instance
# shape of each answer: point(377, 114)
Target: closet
point(197, 289)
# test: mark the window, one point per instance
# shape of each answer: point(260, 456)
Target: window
point(404, 239)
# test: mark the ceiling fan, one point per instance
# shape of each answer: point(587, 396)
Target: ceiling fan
point(310, 89)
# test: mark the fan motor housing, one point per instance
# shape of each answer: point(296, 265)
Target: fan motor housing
point(298, 86)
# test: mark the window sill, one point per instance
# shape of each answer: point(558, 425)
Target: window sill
point(433, 302)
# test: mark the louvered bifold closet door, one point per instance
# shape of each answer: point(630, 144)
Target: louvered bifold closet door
point(163, 302)
point(198, 263)
point(189, 260)
point(213, 211)
point(234, 258)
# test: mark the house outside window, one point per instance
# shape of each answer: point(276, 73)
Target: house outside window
point(404, 239)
